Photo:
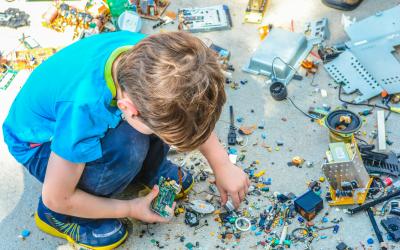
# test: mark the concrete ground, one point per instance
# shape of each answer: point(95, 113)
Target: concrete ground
point(19, 191)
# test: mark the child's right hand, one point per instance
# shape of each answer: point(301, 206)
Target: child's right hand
point(140, 208)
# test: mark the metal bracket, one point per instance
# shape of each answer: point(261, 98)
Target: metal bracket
point(291, 47)
point(369, 65)
point(317, 30)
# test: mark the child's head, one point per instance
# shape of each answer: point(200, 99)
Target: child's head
point(176, 86)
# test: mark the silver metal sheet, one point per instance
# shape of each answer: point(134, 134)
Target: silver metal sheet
point(317, 30)
point(348, 69)
point(370, 65)
point(346, 171)
point(291, 47)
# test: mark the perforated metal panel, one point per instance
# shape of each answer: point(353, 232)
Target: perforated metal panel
point(369, 65)
point(349, 70)
point(338, 172)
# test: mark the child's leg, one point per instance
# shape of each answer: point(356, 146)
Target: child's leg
point(156, 165)
point(124, 150)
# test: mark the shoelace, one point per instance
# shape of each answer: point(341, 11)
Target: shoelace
point(71, 229)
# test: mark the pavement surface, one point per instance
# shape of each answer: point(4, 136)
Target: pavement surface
point(19, 191)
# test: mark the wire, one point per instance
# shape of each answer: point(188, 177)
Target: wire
point(287, 64)
point(294, 105)
point(292, 68)
point(361, 140)
point(387, 100)
point(358, 104)
point(312, 81)
point(298, 230)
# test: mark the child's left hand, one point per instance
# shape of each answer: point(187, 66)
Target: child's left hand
point(232, 181)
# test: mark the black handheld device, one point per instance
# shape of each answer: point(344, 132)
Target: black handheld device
point(232, 129)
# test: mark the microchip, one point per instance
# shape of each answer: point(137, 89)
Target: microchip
point(162, 204)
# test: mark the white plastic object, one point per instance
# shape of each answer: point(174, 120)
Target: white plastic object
point(130, 21)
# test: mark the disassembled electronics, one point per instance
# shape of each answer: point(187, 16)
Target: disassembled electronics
point(29, 42)
point(394, 207)
point(317, 30)
point(162, 204)
point(229, 206)
point(342, 125)
point(92, 20)
point(202, 207)
point(369, 63)
point(243, 224)
point(291, 48)
point(255, 11)
point(348, 179)
point(377, 162)
point(373, 203)
point(150, 9)
point(308, 205)
point(26, 59)
point(205, 19)
point(392, 226)
point(14, 18)
point(191, 218)
point(375, 227)
point(6, 78)
point(232, 129)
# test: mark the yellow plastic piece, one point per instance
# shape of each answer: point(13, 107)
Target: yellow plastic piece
point(260, 185)
point(259, 174)
point(180, 210)
point(321, 179)
point(263, 31)
point(255, 11)
point(338, 201)
point(394, 109)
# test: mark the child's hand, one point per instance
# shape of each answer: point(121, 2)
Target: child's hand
point(140, 208)
point(232, 181)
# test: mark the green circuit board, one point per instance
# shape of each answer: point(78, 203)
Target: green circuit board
point(162, 204)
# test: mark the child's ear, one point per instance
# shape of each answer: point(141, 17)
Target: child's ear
point(127, 106)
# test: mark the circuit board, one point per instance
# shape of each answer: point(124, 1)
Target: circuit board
point(162, 204)
point(255, 11)
point(205, 19)
point(6, 78)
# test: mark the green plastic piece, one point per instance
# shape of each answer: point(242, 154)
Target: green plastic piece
point(265, 189)
point(6, 78)
point(117, 7)
point(189, 246)
point(162, 204)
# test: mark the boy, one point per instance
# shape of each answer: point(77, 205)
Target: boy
point(100, 114)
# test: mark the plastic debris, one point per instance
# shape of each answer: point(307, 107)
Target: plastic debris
point(24, 234)
point(202, 207)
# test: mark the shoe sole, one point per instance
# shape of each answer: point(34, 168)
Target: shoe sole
point(54, 232)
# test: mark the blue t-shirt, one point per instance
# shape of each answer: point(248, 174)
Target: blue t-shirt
point(67, 101)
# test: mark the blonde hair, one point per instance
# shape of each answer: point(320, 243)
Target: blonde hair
point(176, 83)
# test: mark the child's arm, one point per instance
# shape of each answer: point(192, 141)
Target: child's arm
point(61, 195)
point(230, 179)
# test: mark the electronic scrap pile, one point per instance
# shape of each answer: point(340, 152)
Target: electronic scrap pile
point(354, 172)
point(162, 204)
point(89, 21)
